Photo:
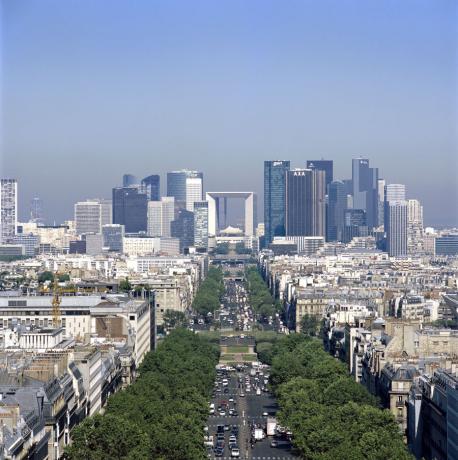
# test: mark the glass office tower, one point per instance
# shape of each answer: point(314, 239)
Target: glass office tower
point(274, 198)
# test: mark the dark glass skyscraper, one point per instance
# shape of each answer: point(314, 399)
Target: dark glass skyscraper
point(355, 224)
point(365, 190)
point(129, 180)
point(183, 228)
point(274, 198)
point(305, 203)
point(337, 203)
point(151, 185)
point(130, 209)
point(323, 165)
point(298, 220)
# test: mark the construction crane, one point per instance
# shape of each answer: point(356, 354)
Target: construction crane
point(56, 300)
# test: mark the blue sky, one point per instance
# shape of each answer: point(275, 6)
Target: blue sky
point(92, 89)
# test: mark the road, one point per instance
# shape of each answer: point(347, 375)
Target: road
point(235, 390)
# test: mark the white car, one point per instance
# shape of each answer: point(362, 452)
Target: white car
point(235, 453)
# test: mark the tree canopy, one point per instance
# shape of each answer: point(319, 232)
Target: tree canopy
point(330, 415)
point(207, 298)
point(162, 414)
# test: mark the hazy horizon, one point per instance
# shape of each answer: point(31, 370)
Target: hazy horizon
point(94, 89)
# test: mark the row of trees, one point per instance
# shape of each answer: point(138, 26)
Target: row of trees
point(330, 415)
point(207, 298)
point(261, 301)
point(161, 416)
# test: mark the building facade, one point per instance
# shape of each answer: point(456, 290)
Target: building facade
point(274, 198)
point(8, 209)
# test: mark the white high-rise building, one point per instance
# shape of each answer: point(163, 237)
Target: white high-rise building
point(160, 215)
point(393, 192)
point(396, 228)
point(193, 192)
point(415, 241)
point(201, 224)
point(92, 215)
point(8, 209)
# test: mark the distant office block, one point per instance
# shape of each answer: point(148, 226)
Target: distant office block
point(305, 245)
point(396, 231)
point(8, 209)
point(91, 215)
point(415, 233)
point(12, 250)
point(447, 245)
point(274, 198)
point(94, 243)
point(151, 185)
point(170, 246)
point(337, 203)
point(160, 215)
point(305, 202)
point(183, 228)
point(113, 235)
point(130, 209)
point(323, 165)
point(76, 247)
point(201, 224)
point(355, 224)
point(30, 242)
point(184, 191)
point(129, 180)
point(365, 189)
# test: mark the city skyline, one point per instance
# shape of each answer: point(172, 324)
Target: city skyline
point(222, 88)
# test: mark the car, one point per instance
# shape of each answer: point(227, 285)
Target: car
point(242, 395)
point(235, 429)
point(265, 414)
point(219, 452)
point(231, 399)
point(231, 411)
point(235, 413)
point(235, 453)
point(227, 427)
point(222, 413)
point(273, 443)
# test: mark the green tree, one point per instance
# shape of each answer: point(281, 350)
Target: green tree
point(309, 325)
point(124, 285)
point(45, 276)
point(173, 319)
point(101, 437)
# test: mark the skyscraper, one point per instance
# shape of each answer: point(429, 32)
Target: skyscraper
point(129, 180)
point(355, 224)
point(183, 228)
point(151, 185)
point(91, 215)
point(113, 235)
point(393, 192)
point(201, 224)
point(396, 231)
point(8, 209)
point(323, 165)
point(193, 192)
point(130, 209)
point(160, 215)
point(305, 202)
point(414, 227)
point(337, 203)
point(274, 198)
point(179, 187)
point(365, 189)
